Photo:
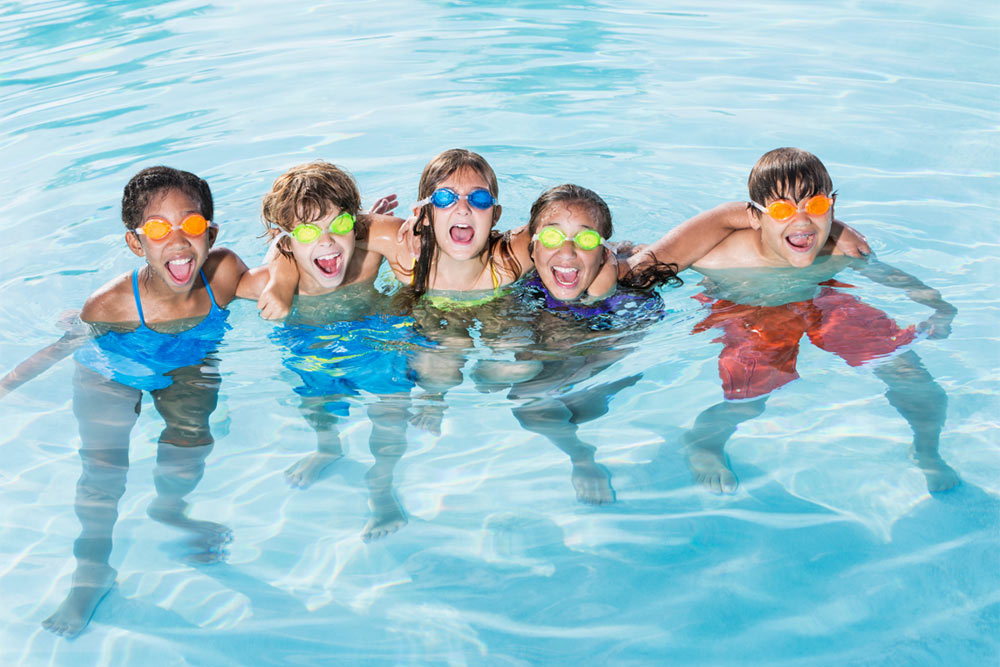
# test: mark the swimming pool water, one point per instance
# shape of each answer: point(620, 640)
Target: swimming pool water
point(831, 550)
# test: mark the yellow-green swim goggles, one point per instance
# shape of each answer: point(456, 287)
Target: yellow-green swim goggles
point(307, 232)
point(553, 238)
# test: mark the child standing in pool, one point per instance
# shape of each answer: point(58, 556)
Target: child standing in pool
point(152, 329)
point(790, 214)
point(335, 340)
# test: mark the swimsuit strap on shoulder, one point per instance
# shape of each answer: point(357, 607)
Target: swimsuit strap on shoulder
point(211, 296)
point(494, 276)
point(135, 293)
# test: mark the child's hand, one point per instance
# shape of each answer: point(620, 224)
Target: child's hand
point(384, 205)
point(270, 306)
point(938, 325)
point(849, 241)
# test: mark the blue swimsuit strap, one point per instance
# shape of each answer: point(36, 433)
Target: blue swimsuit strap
point(138, 302)
point(135, 293)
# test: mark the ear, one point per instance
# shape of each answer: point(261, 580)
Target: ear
point(497, 210)
point(753, 219)
point(134, 243)
point(213, 233)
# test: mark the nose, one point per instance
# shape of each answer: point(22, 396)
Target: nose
point(178, 237)
point(567, 249)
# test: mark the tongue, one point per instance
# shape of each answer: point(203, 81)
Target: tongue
point(565, 276)
point(461, 234)
point(800, 240)
point(180, 272)
point(328, 264)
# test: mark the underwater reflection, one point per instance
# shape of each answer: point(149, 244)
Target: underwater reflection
point(106, 411)
point(346, 349)
point(761, 318)
point(547, 356)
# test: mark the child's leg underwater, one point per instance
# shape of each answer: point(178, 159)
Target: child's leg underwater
point(304, 472)
point(554, 420)
point(185, 443)
point(389, 415)
point(106, 412)
point(707, 439)
point(923, 404)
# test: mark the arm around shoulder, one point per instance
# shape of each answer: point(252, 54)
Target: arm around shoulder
point(694, 238)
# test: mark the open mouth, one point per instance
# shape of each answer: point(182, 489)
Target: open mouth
point(180, 270)
point(462, 234)
point(329, 264)
point(566, 277)
point(801, 241)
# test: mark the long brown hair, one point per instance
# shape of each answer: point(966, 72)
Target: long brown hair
point(436, 171)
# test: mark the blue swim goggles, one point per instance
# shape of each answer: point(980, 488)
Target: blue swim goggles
point(446, 198)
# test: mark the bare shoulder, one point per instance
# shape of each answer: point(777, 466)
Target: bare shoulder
point(364, 266)
point(112, 302)
point(382, 228)
point(223, 269)
point(738, 250)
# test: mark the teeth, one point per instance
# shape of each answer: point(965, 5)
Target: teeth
point(332, 255)
point(565, 276)
point(180, 261)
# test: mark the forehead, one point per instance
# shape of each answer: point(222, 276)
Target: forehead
point(464, 176)
point(567, 214)
point(796, 191)
point(317, 213)
point(170, 199)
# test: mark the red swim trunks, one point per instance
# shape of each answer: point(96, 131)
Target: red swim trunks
point(762, 342)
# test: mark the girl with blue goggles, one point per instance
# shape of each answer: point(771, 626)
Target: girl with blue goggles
point(446, 198)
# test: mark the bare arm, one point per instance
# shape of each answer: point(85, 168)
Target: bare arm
point(45, 358)
point(691, 240)
point(275, 300)
point(937, 325)
point(607, 279)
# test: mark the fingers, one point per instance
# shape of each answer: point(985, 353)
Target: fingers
point(384, 205)
point(272, 310)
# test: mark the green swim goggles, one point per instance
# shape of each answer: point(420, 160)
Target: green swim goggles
point(553, 238)
point(307, 232)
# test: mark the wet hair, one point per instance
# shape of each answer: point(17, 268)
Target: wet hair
point(787, 173)
point(309, 192)
point(437, 170)
point(153, 182)
point(568, 194)
point(642, 277)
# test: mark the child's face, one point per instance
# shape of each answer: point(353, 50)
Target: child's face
point(177, 257)
point(323, 263)
point(797, 240)
point(462, 231)
point(567, 271)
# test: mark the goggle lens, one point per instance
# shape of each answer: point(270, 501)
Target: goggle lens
point(307, 232)
point(479, 198)
point(158, 228)
point(783, 209)
point(553, 238)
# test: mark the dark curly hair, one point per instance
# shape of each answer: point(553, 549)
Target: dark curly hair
point(153, 181)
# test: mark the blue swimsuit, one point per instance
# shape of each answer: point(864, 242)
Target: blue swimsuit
point(142, 358)
point(342, 358)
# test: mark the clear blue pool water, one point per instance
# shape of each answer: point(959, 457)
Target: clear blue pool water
point(831, 550)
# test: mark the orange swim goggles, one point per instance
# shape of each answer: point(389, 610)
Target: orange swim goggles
point(784, 209)
point(156, 229)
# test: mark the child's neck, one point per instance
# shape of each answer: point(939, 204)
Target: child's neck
point(459, 274)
